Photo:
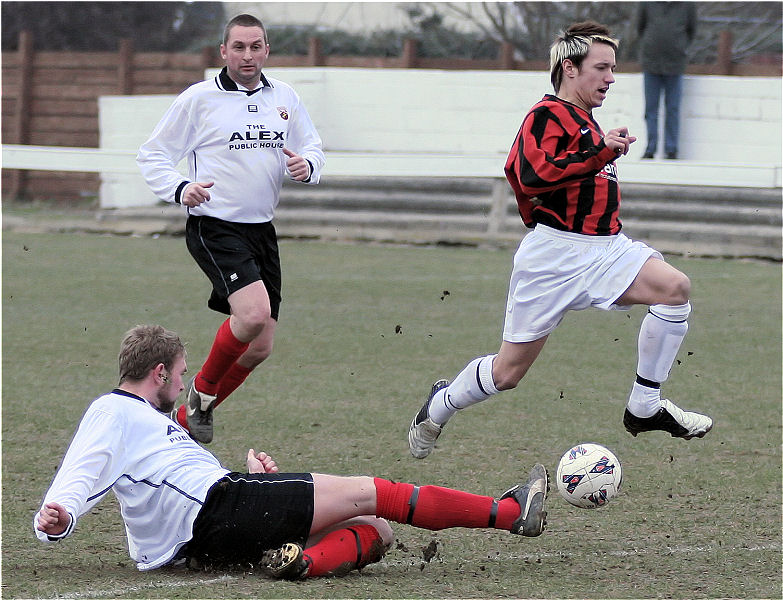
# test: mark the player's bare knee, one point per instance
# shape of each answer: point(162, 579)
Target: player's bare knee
point(253, 320)
point(507, 379)
point(680, 291)
point(384, 530)
point(361, 491)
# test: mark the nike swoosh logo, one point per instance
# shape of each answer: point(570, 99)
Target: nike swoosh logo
point(584, 130)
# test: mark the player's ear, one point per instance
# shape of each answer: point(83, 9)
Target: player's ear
point(569, 68)
point(160, 373)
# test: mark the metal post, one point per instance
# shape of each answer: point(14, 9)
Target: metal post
point(499, 207)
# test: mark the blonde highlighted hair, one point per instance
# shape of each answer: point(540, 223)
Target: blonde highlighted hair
point(573, 44)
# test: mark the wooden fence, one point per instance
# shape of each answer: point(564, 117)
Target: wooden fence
point(51, 98)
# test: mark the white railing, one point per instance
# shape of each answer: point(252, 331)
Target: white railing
point(340, 164)
point(398, 164)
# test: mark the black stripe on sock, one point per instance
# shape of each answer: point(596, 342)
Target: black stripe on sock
point(412, 504)
point(358, 546)
point(647, 382)
point(666, 320)
point(493, 514)
point(478, 380)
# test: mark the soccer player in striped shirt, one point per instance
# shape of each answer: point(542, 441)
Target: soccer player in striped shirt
point(562, 170)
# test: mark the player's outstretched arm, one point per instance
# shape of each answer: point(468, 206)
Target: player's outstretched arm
point(260, 462)
point(53, 519)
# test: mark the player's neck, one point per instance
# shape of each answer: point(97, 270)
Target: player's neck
point(142, 389)
point(251, 85)
point(572, 99)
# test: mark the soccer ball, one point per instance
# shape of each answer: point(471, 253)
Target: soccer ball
point(589, 475)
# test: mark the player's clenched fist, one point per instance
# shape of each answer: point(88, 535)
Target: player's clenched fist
point(196, 193)
point(297, 166)
point(619, 140)
point(53, 519)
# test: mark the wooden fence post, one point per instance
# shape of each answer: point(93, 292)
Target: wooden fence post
point(208, 58)
point(125, 68)
point(724, 52)
point(315, 57)
point(409, 50)
point(23, 108)
point(507, 56)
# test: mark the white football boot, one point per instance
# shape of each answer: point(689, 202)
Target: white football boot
point(669, 418)
point(424, 431)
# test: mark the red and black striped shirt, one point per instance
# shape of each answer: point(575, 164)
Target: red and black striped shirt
point(562, 173)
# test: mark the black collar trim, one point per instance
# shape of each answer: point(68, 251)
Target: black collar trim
point(224, 82)
point(128, 394)
point(133, 396)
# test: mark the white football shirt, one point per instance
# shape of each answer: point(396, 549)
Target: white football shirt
point(235, 138)
point(159, 475)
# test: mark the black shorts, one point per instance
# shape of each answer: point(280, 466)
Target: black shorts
point(246, 514)
point(234, 255)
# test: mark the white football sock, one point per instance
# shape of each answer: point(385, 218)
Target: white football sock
point(472, 385)
point(644, 401)
point(660, 337)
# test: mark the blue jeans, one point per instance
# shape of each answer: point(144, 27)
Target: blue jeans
point(671, 86)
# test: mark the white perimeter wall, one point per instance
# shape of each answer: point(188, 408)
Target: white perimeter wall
point(731, 121)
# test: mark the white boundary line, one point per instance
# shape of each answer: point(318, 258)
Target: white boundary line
point(410, 562)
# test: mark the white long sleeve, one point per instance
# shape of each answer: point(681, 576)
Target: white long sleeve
point(234, 139)
point(159, 475)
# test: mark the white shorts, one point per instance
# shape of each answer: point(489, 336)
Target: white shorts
point(557, 271)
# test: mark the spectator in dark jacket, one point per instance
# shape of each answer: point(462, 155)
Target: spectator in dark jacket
point(666, 29)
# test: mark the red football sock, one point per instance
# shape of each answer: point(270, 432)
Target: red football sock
point(226, 349)
point(182, 417)
point(434, 507)
point(231, 381)
point(344, 550)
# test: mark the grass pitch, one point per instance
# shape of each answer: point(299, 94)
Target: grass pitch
point(364, 330)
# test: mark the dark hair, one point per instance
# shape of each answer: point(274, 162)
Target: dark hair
point(243, 20)
point(146, 346)
point(573, 44)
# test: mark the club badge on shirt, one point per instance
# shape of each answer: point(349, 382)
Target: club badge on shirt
point(283, 112)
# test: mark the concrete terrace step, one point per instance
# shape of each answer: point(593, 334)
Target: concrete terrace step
point(711, 194)
point(400, 220)
point(742, 207)
point(724, 240)
point(363, 199)
point(685, 230)
point(689, 220)
point(701, 212)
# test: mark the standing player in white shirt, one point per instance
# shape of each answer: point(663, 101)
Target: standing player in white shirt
point(242, 134)
point(178, 502)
